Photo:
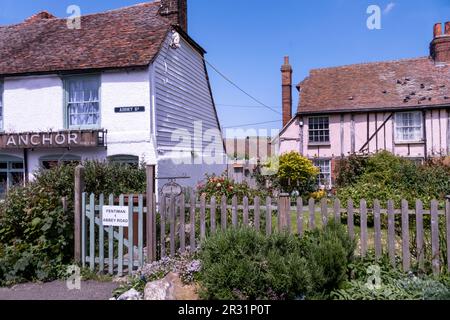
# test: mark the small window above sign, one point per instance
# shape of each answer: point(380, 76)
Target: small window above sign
point(129, 109)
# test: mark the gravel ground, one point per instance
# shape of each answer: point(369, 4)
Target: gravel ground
point(90, 290)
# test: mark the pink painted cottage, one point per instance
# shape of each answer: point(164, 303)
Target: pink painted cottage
point(401, 106)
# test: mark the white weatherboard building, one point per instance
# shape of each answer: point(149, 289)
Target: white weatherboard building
point(128, 85)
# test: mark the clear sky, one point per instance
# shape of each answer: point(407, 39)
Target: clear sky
point(247, 39)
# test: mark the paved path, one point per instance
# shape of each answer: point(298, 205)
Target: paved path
point(90, 290)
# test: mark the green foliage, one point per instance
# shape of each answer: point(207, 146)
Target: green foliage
point(288, 173)
point(36, 235)
point(215, 186)
point(394, 284)
point(245, 264)
point(328, 252)
point(384, 176)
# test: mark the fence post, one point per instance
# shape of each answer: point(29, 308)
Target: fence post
point(284, 208)
point(150, 221)
point(78, 210)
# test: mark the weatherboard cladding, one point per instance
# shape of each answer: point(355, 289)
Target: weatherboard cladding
point(182, 94)
point(410, 83)
point(126, 37)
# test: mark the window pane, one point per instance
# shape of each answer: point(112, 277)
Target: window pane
point(17, 165)
point(319, 129)
point(83, 106)
point(408, 126)
point(325, 172)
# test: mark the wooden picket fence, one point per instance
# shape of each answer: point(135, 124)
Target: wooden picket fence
point(182, 222)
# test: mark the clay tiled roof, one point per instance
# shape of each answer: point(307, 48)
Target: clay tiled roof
point(126, 37)
point(382, 85)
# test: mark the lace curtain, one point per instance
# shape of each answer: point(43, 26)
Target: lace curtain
point(409, 126)
point(83, 102)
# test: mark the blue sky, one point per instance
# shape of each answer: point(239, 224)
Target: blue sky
point(247, 39)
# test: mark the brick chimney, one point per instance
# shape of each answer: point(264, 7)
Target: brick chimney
point(286, 78)
point(440, 46)
point(175, 10)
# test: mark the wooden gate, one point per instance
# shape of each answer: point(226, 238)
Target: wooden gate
point(115, 249)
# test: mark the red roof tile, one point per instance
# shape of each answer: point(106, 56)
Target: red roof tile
point(126, 37)
point(382, 85)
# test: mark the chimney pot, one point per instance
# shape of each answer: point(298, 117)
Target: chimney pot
point(447, 28)
point(437, 29)
point(440, 46)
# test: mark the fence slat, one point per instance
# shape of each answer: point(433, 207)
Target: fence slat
point(203, 216)
point(224, 213)
point(182, 223)
point(363, 217)
point(83, 230)
point(312, 214)
point(141, 230)
point(130, 234)
point(337, 210)
point(324, 211)
point(435, 237)
point(101, 235)
point(406, 255)
point(447, 218)
point(192, 221)
point(163, 215)
point(120, 262)
point(234, 212)
point(245, 211)
point(92, 232)
point(300, 216)
point(268, 216)
point(111, 242)
point(377, 222)
point(172, 226)
point(257, 212)
point(213, 215)
point(419, 234)
point(350, 219)
point(391, 232)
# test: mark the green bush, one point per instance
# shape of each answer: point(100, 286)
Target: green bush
point(36, 235)
point(385, 176)
point(288, 173)
point(245, 264)
point(218, 186)
point(394, 284)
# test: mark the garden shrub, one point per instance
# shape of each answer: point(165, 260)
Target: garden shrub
point(385, 176)
point(245, 264)
point(218, 186)
point(394, 284)
point(291, 172)
point(36, 235)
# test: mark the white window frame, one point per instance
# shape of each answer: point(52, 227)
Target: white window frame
point(324, 176)
point(400, 136)
point(321, 132)
point(67, 79)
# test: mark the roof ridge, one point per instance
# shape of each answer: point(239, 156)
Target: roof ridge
point(371, 63)
point(154, 2)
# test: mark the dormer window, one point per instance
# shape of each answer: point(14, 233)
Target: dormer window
point(82, 105)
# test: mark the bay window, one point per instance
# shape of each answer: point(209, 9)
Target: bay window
point(82, 107)
point(408, 127)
